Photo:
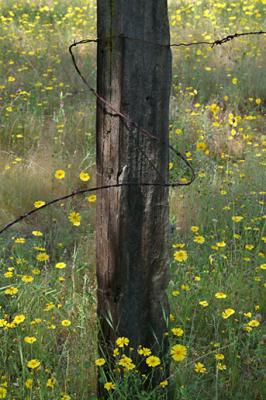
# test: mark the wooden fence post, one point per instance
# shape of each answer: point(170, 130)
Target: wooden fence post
point(134, 75)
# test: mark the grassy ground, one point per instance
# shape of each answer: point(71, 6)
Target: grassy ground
point(217, 262)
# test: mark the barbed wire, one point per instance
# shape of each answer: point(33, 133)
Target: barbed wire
point(221, 41)
point(129, 123)
point(216, 42)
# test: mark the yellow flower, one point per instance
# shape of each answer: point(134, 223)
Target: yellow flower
point(34, 363)
point(177, 331)
point(199, 239)
point(126, 362)
point(39, 203)
point(109, 386)
point(153, 361)
point(20, 240)
point(249, 247)
point(75, 218)
point(2, 323)
point(175, 293)
point(227, 313)
point(8, 274)
point(11, 79)
point(36, 321)
point(258, 101)
point(180, 255)
point(219, 356)
point(203, 303)
point(60, 265)
point(84, 176)
point(170, 166)
point(65, 396)
point(65, 322)
point(200, 368)
point(59, 174)
point(237, 218)
point(27, 278)
point(116, 352)
point(178, 131)
point(11, 291)
point(171, 317)
point(10, 325)
point(220, 295)
point(164, 383)
point(144, 351)
point(185, 287)
point(234, 81)
point(18, 319)
point(37, 233)
point(92, 198)
point(179, 352)
point(42, 257)
point(99, 362)
point(263, 266)
point(221, 367)
point(29, 383)
point(122, 341)
point(30, 339)
point(253, 323)
point(178, 245)
point(194, 229)
point(51, 382)
point(49, 306)
point(3, 392)
point(201, 146)
point(247, 328)
point(36, 271)
point(232, 120)
point(221, 244)
point(248, 315)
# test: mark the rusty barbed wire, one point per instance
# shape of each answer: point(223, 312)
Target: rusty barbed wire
point(130, 123)
point(216, 42)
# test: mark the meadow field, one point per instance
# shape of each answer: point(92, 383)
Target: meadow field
point(216, 329)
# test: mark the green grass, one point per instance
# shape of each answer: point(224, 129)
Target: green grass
point(48, 123)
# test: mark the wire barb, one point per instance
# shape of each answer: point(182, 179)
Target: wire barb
point(218, 42)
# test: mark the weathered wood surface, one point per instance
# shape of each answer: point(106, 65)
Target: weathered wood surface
point(132, 223)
